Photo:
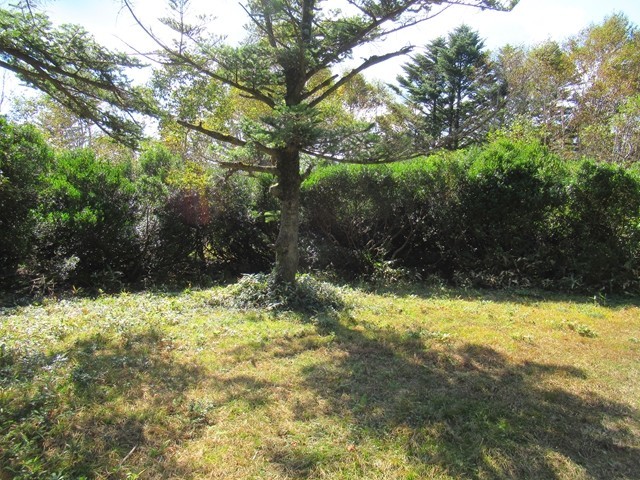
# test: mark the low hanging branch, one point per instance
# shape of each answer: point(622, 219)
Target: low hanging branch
point(246, 167)
point(68, 65)
point(222, 137)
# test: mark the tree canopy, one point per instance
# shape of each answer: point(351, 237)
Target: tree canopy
point(285, 72)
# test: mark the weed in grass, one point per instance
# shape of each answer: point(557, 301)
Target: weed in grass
point(525, 338)
point(307, 295)
point(581, 329)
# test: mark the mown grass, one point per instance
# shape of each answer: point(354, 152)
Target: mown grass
point(412, 383)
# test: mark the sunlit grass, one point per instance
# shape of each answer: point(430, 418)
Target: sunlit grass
point(411, 383)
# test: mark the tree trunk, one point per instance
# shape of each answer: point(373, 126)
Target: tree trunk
point(288, 191)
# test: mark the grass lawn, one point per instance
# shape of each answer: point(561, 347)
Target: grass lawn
point(406, 384)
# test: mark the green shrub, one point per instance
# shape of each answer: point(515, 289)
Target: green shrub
point(509, 213)
point(602, 227)
point(24, 160)
point(86, 222)
point(510, 195)
point(349, 212)
point(197, 224)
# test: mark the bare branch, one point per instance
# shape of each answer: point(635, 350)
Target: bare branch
point(222, 137)
point(246, 167)
point(374, 60)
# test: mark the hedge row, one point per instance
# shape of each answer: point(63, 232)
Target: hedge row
point(505, 214)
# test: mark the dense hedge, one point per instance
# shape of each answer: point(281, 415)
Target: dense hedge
point(24, 161)
point(508, 213)
point(72, 220)
point(86, 223)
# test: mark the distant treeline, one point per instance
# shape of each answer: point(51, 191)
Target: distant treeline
point(505, 214)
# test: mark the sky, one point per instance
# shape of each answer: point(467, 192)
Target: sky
point(530, 22)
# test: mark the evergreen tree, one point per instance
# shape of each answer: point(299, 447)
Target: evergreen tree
point(452, 89)
point(424, 84)
point(285, 70)
point(67, 64)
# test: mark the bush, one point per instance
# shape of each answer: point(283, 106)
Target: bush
point(602, 227)
point(508, 198)
point(24, 161)
point(348, 212)
point(86, 222)
point(509, 213)
point(504, 214)
point(197, 224)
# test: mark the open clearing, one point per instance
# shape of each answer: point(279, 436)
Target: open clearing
point(408, 384)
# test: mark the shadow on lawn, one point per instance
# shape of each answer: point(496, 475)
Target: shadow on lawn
point(468, 411)
point(524, 296)
point(108, 406)
point(89, 411)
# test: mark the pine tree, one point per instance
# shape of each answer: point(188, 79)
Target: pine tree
point(452, 89)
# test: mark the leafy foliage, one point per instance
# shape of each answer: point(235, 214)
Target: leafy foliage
point(541, 84)
point(603, 231)
point(86, 221)
point(24, 160)
point(200, 224)
point(507, 214)
point(579, 96)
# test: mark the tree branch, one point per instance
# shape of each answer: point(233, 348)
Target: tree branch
point(246, 167)
point(222, 137)
point(179, 56)
point(319, 87)
point(368, 161)
point(61, 94)
point(374, 60)
point(267, 28)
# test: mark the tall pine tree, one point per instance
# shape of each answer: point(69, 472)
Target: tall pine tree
point(452, 90)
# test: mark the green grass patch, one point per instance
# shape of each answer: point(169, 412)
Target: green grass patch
point(412, 384)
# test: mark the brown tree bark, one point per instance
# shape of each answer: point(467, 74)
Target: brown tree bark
point(288, 192)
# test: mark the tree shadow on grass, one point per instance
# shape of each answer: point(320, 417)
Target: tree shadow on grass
point(523, 296)
point(470, 412)
point(88, 411)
